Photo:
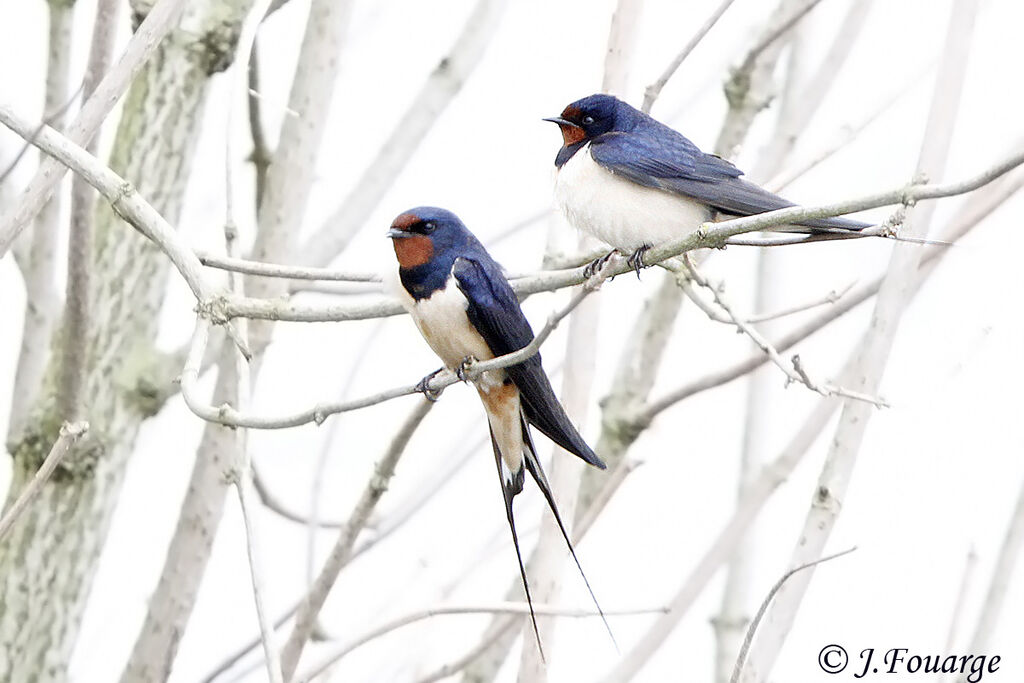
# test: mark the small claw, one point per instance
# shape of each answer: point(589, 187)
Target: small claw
point(636, 260)
point(423, 386)
point(464, 367)
point(597, 264)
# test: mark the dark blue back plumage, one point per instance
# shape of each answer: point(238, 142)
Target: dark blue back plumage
point(434, 246)
point(491, 306)
point(495, 313)
point(633, 145)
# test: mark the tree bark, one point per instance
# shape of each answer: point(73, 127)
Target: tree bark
point(48, 560)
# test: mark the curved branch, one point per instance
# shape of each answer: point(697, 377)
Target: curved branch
point(141, 215)
point(160, 20)
point(496, 608)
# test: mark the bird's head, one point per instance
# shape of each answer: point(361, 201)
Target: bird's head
point(428, 235)
point(589, 117)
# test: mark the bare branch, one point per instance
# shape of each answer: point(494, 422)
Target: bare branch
point(440, 88)
point(70, 433)
point(771, 476)
point(158, 22)
point(305, 616)
point(141, 215)
point(276, 505)
point(494, 633)
point(873, 353)
point(496, 608)
point(848, 133)
point(775, 32)
point(227, 415)
point(1002, 575)
point(42, 309)
point(242, 651)
point(969, 217)
point(752, 630)
point(248, 267)
point(48, 119)
point(252, 548)
point(261, 155)
point(652, 91)
point(797, 373)
point(80, 240)
point(961, 597)
point(121, 194)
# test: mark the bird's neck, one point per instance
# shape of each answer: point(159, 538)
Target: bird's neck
point(567, 151)
point(422, 281)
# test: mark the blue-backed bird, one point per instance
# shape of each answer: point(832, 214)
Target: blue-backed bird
point(635, 183)
point(465, 308)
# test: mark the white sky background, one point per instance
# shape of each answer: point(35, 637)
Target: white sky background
point(938, 473)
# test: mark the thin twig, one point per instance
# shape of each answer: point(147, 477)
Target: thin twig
point(248, 267)
point(454, 667)
point(652, 91)
point(756, 621)
point(227, 415)
point(271, 501)
point(158, 22)
point(775, 33)
point(131, 206)
point(761, 487)
point(236, 656)
point(319, 478)
point(999, 584)
point(70, 433)
point(872, 354)
point(970, 216)
point(241, 467)
point(961, 597)
point(496, 608)
point(306, 615)
point(267, 635)
point(261, 155)
point(442, 85)
point(49, 118)
point(795, 374)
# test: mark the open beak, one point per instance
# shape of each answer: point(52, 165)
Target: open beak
point(395, 233)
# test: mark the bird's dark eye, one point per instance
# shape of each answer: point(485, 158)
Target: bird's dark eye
point(429, 227)
point(587, 120)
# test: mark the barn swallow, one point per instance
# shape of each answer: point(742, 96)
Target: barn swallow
point(465, 308)
point(635, 183)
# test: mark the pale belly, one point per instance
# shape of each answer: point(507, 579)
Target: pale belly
point(618, 211)
point(443, 322)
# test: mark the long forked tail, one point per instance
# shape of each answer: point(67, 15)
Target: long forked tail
point(511, 486)
point(537, 472)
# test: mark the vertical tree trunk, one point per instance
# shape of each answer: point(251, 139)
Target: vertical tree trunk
point(48, 560)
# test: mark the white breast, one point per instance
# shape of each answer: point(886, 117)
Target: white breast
point(443, 322)
point(618, 211)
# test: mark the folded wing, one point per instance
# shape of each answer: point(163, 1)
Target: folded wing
point(668, 161)
point(495, 313)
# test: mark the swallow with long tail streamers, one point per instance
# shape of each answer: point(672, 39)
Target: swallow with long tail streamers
point(464, 308)
point(635, 183)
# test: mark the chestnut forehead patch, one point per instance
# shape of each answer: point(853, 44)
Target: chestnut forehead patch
point(572, 113)
point(405, 221)
point(413, 251)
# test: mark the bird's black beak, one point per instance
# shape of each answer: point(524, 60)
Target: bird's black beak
point(395, 233)
point(560, 121)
